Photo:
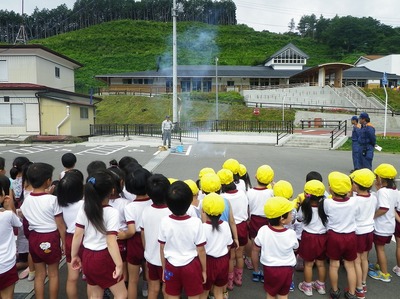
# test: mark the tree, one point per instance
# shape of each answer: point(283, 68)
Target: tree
point(292, 26)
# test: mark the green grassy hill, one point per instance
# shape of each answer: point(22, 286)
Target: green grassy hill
point(126, 46)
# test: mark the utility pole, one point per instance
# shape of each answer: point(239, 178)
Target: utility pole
point(174, 65)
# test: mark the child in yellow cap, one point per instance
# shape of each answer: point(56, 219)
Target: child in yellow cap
point(385, 221)
point(276, 244)
point(341, 237)
point(239, 204)
point(194, 209)
point(312, 247)
point(363, 180)
point(219, 240)
point(258, 196)
point(234, 166)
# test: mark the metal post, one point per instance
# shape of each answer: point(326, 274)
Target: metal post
point(174, 65)
point(216, 89)
point(386, 104)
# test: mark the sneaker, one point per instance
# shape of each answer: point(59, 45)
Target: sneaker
point(210, 296)
point(291, 288)
point(107, 294)
point(261, 276)
point(347, 295)
point(319, 286)
point(396, 270)
point(373, 267)
point(248, 263)
point(378, 275)
point(256, 276)
point(145, 289)
point(226, 295)
point(24, 274)
point(360, 293)
point(334, 294)
point(306, 289)
point(364, 285)
point(31, 276)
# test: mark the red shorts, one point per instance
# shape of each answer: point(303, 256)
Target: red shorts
point(278, 280)
point(217, 271)
point(98, 267)
point(364, 242)
point(256, 222)
point(8, 278)
point(45, 247)
point(312, 246)
point(243, 233)
point(340, 246)
point(382, 240)
point(135, 250)
point(397, 229)
point(68, 246)
point(122, 249)
point(186, 277)
point(154, 272)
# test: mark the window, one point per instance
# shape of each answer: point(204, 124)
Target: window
point(84, 112)
point(185, 85)
point(57, 72)
point(196, 84)
point(12, 114)
point(3, 71)
point(230, 83)
point(126, 81)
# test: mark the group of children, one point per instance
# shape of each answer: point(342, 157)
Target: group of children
point(195, 237)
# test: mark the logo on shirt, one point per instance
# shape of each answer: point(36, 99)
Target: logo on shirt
point(45, 246)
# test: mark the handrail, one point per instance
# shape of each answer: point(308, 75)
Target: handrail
point(284, 133)
point(338, 131)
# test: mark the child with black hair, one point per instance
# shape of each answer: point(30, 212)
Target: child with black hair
point(46, 227)
point(97, 226)
point(276, 244)
point(135, 183)
point(182, 241)
point(239, 203)
point(194, 209)
point(244, 176)
point(157, 188)
point(363, 180)
point(70, 198)
point(385, 222)
point(2, 166)
point(219, 239)
point(95, 166)
point(128, 165)
point(68, 160)
point(8, 221)
point(341, 233)
point(234, 166)
point(16, 174)
point(312, 247)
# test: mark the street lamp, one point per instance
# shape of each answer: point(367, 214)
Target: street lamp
point(216, 89)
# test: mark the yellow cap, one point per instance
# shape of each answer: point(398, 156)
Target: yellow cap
point(213, 204)
point(205, 170)
point(386, 171)
point(283, 189)
point(314, 187)
point(232, 164)
point(265, 174)
point(226, 176)
point(210, 182)
point(242, 170)
point(340, 183)
point(192, 185)
point(364, 177)
point(277, 206)
point(172, 180)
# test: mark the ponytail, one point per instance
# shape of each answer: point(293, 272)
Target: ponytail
point(214, 221)
point(306, 208)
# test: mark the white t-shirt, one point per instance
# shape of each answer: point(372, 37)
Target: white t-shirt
point(341, 214)
point(8, 249)
point(120, 204)
point(241, 185)
point(193, 211)
point(150, 225)
point(134, 210)
point(93, 239)
point(239, 204)
point(128, 196)
point(217, 240)
point(181, 236)
point(387, 199)
point(366, 206)
point(315, 226)
point(276, 246)
point(40, 209)
point(258, 197)
point(69, 214)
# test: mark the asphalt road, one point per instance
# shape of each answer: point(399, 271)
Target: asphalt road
point(291, 164)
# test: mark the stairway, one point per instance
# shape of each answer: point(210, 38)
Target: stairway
point(307, 141)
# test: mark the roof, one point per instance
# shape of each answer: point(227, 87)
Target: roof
point(288, 46)
point(363, 72)
point(52, 93)
point(329, 68)
point(202, 71)
point(368, 58)
point(4, 48)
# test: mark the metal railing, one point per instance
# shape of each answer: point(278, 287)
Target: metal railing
point(289, 130)
point(338, 131)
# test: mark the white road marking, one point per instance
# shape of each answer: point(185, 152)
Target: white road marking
point(188, 150)
point(103, 150)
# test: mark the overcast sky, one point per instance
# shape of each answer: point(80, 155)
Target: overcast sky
point(267, 14)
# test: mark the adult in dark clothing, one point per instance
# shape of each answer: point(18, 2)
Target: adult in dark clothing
point(355, 147)
point(366, 141)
